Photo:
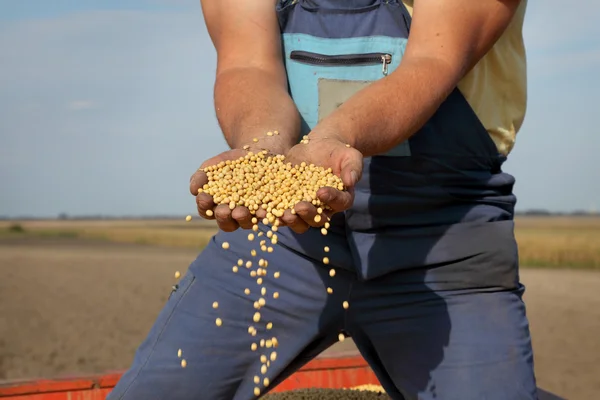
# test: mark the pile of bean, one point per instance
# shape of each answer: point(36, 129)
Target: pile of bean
point(327, 394)
point(260, 181)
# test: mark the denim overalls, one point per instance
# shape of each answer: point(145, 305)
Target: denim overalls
point(426, 257)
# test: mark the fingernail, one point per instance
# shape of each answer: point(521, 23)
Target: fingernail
point(326, 197)
point(354, 177)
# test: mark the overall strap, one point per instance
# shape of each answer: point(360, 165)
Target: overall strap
point(337, 19)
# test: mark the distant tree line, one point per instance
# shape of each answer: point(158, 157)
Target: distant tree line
point(95, 217)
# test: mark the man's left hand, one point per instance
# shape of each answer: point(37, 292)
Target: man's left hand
point(344, 161)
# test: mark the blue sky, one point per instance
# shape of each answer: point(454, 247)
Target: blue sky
point(106, 107)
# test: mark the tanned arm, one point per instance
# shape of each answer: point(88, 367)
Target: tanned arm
point(448, 37)
point(251, 93)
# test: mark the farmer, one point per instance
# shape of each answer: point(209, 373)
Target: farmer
point(429, 97)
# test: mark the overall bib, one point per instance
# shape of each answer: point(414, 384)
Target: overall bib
point(426, 257)
point(435, 199)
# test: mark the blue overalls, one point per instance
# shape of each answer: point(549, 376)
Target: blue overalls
point(426, 257)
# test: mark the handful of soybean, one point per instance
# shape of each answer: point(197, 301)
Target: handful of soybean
point(268, 182)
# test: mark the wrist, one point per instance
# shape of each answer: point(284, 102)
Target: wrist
point(273, 141)
point(328, 130)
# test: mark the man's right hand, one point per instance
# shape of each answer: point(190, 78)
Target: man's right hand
point(228, 220)
point(251, 92)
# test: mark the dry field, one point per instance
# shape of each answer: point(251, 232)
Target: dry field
point(548, 242)
point(78, 297)
point(560, 242)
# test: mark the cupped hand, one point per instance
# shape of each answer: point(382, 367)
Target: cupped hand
point(344, 161)
point(228, 220)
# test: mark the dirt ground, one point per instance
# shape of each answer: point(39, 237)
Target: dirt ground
point(73, 307)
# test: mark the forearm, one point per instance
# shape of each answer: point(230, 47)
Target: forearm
point(390, 110)
point(249, 103)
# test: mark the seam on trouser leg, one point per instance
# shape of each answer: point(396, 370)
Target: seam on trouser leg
point(159, 335)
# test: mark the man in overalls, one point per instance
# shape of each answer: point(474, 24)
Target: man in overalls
point(429, 97)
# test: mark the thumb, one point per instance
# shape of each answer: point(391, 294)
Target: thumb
point(352, 166)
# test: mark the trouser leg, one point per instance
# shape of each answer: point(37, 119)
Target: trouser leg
point(444, 344)
point(220, 361)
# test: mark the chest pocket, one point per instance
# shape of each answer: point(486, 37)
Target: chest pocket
point(323, 73)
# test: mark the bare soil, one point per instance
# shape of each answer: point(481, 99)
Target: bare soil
point(77, 307)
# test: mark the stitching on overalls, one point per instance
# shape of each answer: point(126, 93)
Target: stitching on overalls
point(160, 333)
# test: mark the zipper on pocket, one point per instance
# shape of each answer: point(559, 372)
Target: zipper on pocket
point(343, 59)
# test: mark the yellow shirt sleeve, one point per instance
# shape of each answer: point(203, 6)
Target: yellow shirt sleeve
point(496, 88)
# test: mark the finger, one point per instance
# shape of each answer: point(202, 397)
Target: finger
point(281, 222)
point(337, 200)
point(307, 212)
point(327, 214)
point(351, 168)
point(204, 203)
point(243, 217)
point(197, 181)
point(224, 220)
point(294, 222)
point(261, 213)
point(288, 218)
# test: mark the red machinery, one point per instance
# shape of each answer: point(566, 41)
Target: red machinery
point(326, 372)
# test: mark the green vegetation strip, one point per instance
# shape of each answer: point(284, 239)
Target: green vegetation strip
point(544, 242)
